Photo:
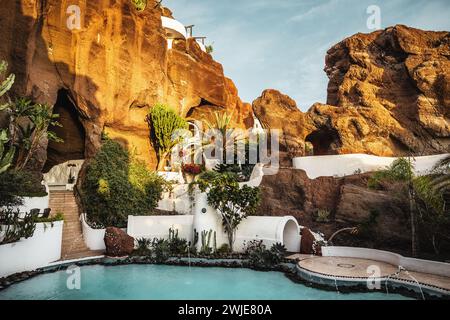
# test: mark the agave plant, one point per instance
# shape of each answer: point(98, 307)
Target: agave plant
point(6, 156)
point(6, 84)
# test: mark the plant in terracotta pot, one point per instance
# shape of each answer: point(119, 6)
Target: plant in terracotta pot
point(190, 170)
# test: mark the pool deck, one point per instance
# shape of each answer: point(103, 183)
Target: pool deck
point(353, 268)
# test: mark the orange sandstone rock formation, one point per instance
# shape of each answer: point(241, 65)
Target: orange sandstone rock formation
point(388, 95)
point(112, 70)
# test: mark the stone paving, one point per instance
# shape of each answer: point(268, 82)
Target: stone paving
point(352, 267)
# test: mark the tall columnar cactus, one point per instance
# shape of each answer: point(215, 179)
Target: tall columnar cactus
point(164, 123)
point(6, 156)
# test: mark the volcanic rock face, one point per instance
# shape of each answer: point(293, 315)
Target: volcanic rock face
point(113, 68)
point(118, 243)
point(347, 200)
point(277, 111)
point(388, 95)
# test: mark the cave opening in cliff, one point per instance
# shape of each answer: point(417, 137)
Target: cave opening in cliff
point(72, 132)
point(323, 141)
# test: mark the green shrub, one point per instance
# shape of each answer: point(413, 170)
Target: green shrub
point(209, 49)
point(117, 185)
point(17, 184)
point(14, 227)
point(401, 170)
point(140, 5)
point(143, 247)
point(224, 249)
point(58, 217)
point(160, 250)
point(261, 258)
point(176, 244)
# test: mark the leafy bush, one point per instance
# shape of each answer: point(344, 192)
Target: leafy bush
point(58, 217)
point(17, 184)
point(140, 5)
point(401, 170)
point(14, 227)
point(209, 49)
point(234, 203)
point(261, 258)
point(223, 249)
point(116, 186)
point(160, 250)
point(143, 247)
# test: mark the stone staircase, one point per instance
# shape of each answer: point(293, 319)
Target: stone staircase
point(73, 246)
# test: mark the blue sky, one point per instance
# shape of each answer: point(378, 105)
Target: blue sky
point(281, 44)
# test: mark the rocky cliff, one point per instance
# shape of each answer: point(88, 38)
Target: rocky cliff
point(105, 76)
point(388, 95)
point(327, 204)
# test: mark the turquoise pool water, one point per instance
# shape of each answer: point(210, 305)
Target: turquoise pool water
point(151, 282)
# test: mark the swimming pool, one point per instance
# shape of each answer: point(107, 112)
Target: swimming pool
point(155, 282)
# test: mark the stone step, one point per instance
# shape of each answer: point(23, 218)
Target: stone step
point(72, 243)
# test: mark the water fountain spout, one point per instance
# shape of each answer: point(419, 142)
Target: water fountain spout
point(399, 271)
point(336, 285)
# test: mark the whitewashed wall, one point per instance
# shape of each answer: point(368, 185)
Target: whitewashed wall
point(410, 264)
point(40, 203)
point(94, 238)
point(151, 227)
point(271, 230)
point(32, 253)
point(343, 165)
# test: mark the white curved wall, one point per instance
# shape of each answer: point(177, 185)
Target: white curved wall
point(343, 165)
point(410, 264)
point(151, 227)
point(40, 203)
point(174, 26)
point(271, 230)
point(94, 238)
point(32, 253)
point(208, 220)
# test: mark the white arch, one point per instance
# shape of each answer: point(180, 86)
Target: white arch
point(271, 230)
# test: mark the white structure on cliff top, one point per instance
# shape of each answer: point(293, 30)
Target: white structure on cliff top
point(176, 30)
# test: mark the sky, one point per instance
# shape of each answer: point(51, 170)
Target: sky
point(281, 44)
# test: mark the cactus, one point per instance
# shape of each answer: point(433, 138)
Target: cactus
point(215, 242)
point(164, 122)
point(6, 157)
point(206, 242)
